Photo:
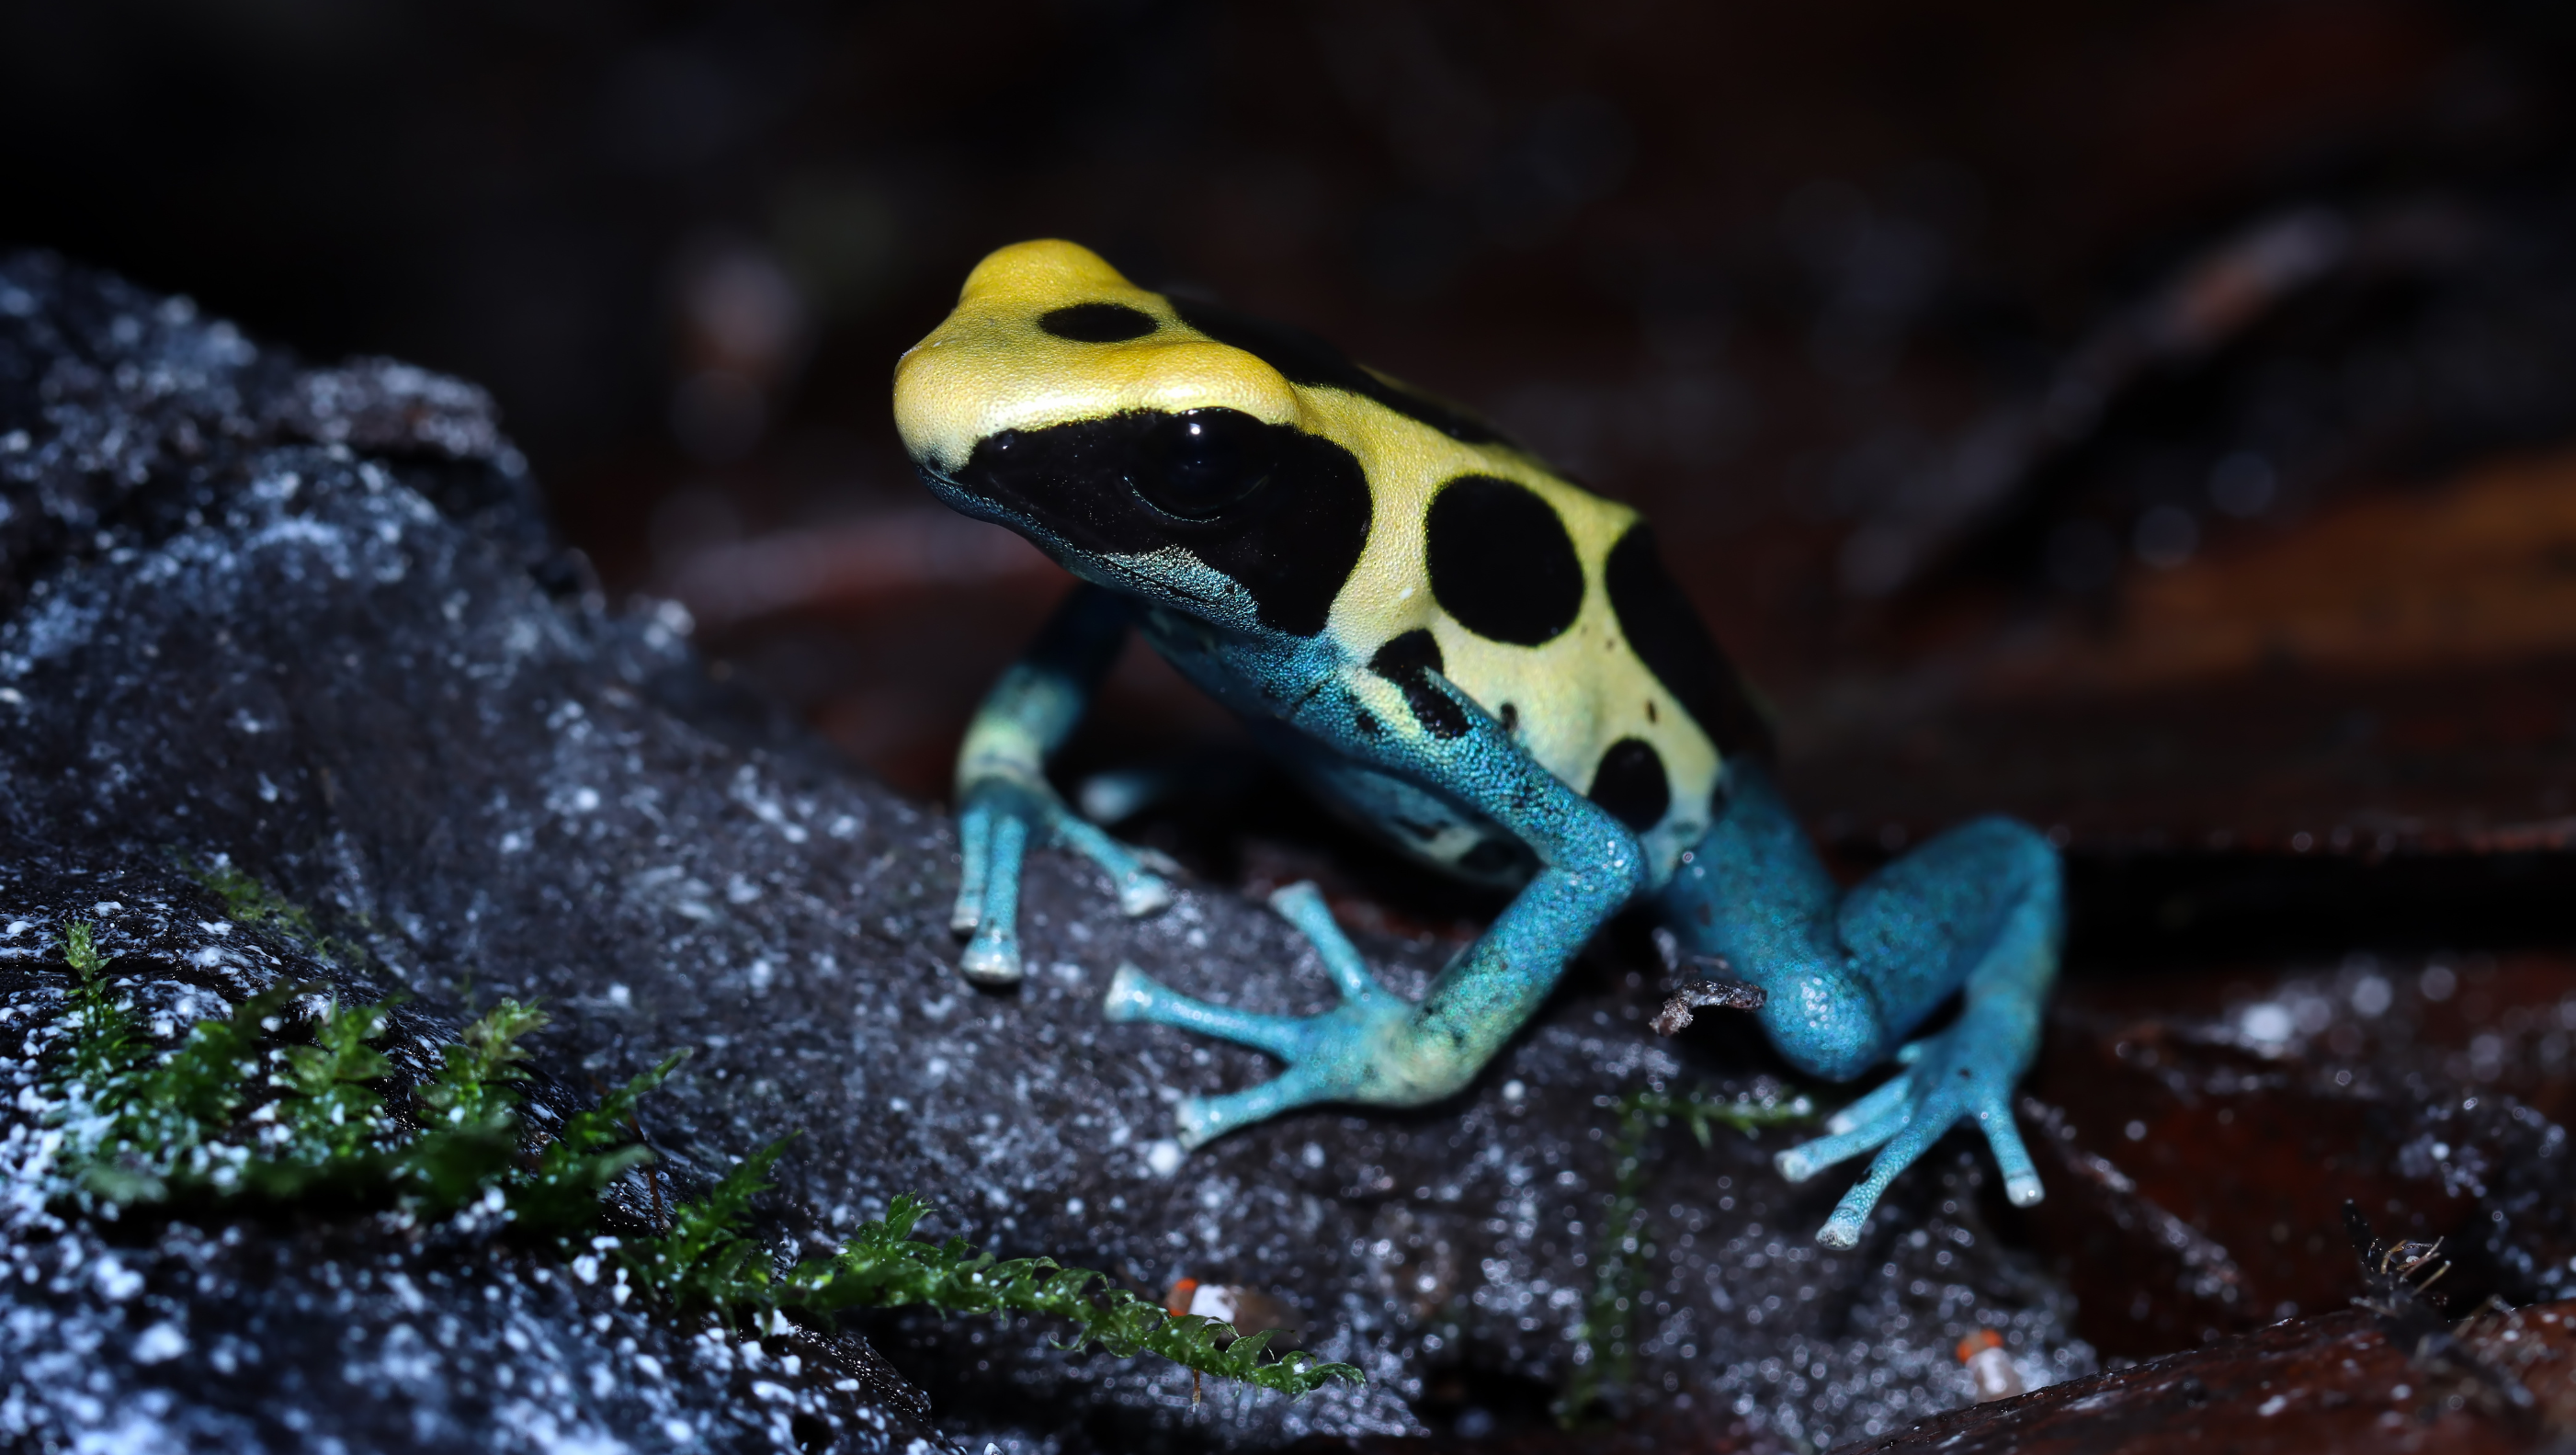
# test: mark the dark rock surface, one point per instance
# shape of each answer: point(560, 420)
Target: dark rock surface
point(2333, 1382)
point(308, 620)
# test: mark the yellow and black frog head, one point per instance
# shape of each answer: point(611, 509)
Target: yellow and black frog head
point(1159, 446)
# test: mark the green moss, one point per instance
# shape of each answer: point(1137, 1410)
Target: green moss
point(706, 1261)
point(1606, 1354)
point(590, 1152)
point(249, 901)
point(150, 1128)
point(883, 1266)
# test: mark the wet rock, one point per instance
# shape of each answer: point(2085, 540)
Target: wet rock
point(2329, 1382)
point(2393, 1375)
point(254, 617)
point(2201, 1132)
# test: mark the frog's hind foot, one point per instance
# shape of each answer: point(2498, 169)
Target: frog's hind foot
point(1333, 1056)
point(992, 841)
point(1943, 1083)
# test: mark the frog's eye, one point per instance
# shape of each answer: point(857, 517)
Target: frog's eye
point(1200, 463)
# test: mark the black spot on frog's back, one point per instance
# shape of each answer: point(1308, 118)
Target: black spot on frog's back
point(1631, 784)
point(1407, 661)
point(1501, 562)
point(1665, 631)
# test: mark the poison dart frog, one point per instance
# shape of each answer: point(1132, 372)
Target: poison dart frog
point(1458, 647)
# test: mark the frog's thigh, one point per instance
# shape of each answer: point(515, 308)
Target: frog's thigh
point(1919, 927)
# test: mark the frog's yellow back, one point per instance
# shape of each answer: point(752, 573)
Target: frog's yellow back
point(1543, 602)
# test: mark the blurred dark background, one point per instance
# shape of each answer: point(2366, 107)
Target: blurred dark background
point(2150, 419)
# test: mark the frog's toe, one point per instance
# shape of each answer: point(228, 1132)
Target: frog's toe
point(992, 957)
point(1890, 1096)
point(1902, 1133)
point(991, 844)
point(1843, 1141)
point(1913, 1135)
point(1136, 996)
point(1141, 891)
point(974, 859)
point(2021, 1179)
point(1203, 1119)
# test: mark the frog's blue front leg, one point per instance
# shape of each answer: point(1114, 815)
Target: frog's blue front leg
point(1978, 910)
point(1002, 792)
point(1377, 1047)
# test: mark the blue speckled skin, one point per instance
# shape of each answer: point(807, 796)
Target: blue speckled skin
point(1847, 974)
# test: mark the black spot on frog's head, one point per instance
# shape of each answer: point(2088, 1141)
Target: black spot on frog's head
point(1097, 323)
point(1501, 562)
point(1668, 636)
point(1282, 513)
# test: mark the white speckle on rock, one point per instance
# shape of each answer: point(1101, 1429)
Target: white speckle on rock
point(116, 1280)
point(1163, 1158)
point(159, 1344)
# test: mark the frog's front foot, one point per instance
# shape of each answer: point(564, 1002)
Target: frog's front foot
point(1367, 1049)
point(993, 832)
point(1965, 1072)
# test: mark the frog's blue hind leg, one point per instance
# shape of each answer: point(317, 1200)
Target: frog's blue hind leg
point(1003, 795)
point(1848, 975)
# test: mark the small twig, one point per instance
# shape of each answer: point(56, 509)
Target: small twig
point(1710, 994)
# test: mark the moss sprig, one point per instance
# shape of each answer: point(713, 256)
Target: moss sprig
point(1605, 1343)
point(706, 1261)
point(150, 1127)
point(883, 1266)
point(248, 900)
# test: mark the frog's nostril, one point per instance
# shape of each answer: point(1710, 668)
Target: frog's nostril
point(1098, 323)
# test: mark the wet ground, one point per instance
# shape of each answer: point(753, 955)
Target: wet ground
point(2149, 421)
